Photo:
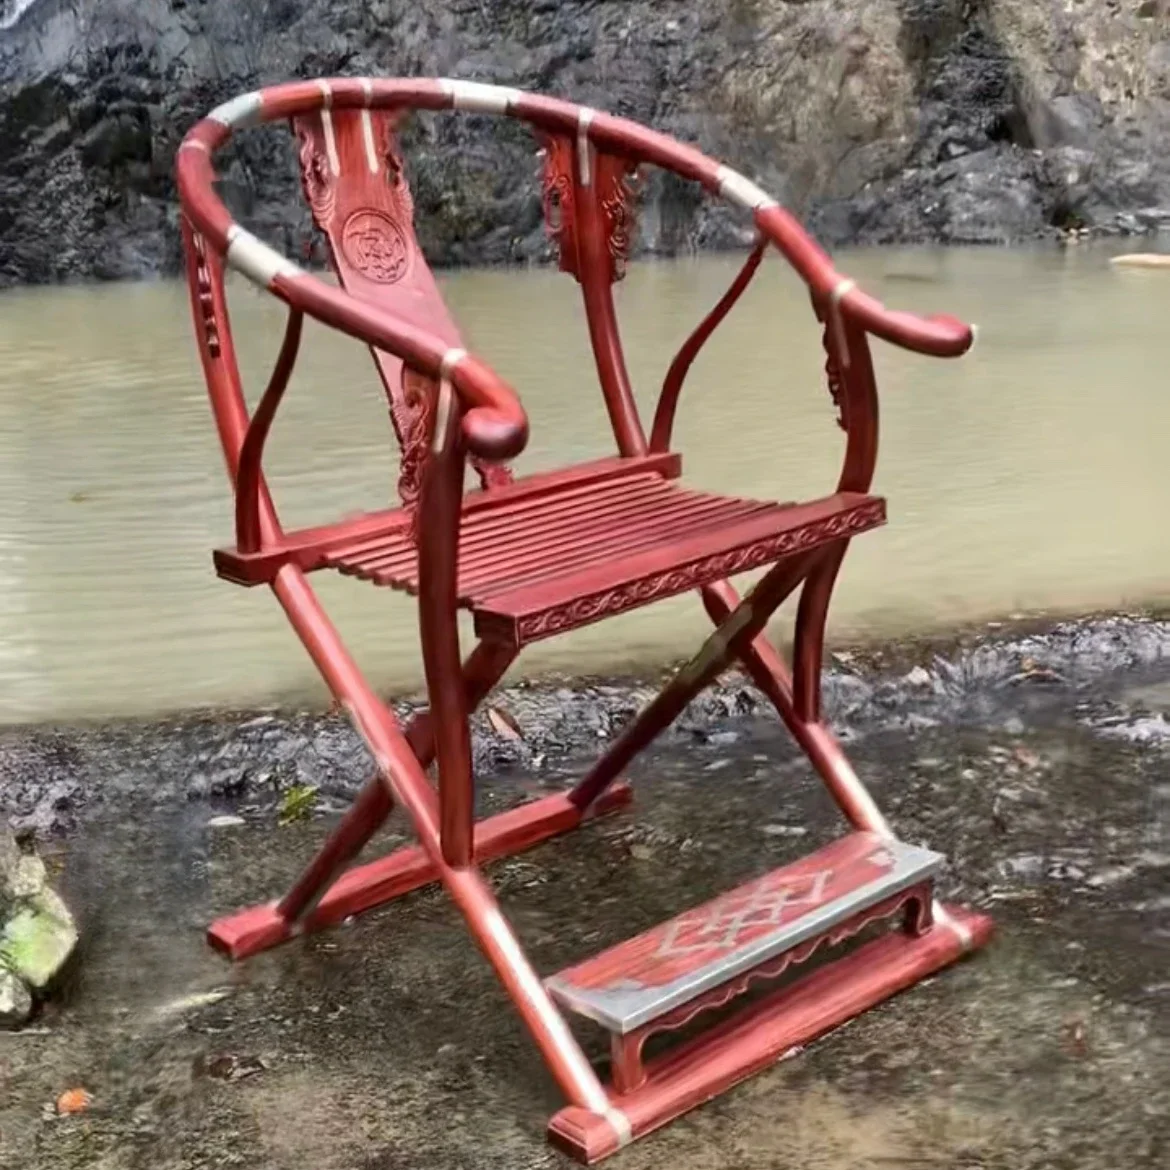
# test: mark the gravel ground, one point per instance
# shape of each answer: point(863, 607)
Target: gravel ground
point(1037, 761)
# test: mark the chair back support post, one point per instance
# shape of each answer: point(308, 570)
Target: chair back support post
point(217, 354)
point(853, 388)
point(249, 536)
point(672, 385)
point(587, 204)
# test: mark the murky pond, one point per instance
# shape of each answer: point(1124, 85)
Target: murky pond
point(1031, 474)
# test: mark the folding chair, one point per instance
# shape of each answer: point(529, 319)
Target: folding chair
point(540, 555)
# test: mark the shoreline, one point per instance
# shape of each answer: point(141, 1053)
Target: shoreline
point(58, 774)
point(1052, 237)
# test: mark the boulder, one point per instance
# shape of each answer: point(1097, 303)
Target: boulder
point(15, 1000)
point(37, 932)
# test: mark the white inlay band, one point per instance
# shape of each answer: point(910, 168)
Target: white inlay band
point(840, 291)
point(368, 127)
point(442, 416)
point(256, 260)
point(368, 142)
point(583, 146)
point(477, 97)
point(451, 359)
point(327, 128)
point(957, 928)
point(588, 1086)
point(620, 1124)
point(240, 112)
point(741, 190)
point(195, 144)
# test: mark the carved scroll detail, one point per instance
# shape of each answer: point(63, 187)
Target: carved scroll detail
point(833, 377)
point(413, 417)
point(620, 185)
point(617, 187)
point(316, 179)
point(206, 298)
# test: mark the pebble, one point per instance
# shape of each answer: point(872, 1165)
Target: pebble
point(226, 822)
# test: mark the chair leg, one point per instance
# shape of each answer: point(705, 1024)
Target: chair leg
point(737, 629)
point(484, 668)
point(799, 707)
point(769, 672)
point(408, 783)
point(320, 898)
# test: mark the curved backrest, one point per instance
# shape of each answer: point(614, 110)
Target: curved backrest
point(356, 184)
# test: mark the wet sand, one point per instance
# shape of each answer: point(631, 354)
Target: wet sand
point(1040, 764)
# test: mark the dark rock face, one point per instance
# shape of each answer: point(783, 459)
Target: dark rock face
point(878, 120)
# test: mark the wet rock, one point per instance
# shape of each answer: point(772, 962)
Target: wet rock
point(37, 931)
point(226, 822)
point(881, 119)
point(16, 1002)
point(38, 939)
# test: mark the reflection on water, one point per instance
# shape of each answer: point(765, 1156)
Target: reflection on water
point(1031, 474)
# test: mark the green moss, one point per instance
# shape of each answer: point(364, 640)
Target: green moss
point(38, 939)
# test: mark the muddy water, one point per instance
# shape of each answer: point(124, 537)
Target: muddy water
point(1031, 474)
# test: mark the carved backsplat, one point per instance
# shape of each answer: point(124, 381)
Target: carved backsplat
point(353, 179)
point(615, 181)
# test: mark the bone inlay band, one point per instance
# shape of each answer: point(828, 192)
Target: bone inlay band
point(450, 360)
point(257, 261)
point(442, 415)
point(583, 147)
point(368, 127)
point(476, 97)
point(239, 112)
point(840, 291)
point(734, 186)
point(327, 128)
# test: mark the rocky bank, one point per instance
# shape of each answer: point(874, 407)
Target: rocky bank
point(964, 121)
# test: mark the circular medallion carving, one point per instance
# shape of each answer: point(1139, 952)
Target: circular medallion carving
point(375, 246)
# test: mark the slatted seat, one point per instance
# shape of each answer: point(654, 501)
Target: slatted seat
point(535, 565)
point(535, 556)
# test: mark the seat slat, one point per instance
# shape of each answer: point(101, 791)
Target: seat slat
point(647, 531)
point(542, 557)
point(579, 540)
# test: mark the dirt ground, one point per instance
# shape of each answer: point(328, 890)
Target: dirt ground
point(387, 1045)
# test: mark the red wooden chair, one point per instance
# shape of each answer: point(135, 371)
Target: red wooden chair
point(535, 556)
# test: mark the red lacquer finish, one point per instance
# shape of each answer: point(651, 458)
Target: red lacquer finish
point(533, 557)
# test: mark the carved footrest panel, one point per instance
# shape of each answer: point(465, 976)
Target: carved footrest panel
point(684, 965)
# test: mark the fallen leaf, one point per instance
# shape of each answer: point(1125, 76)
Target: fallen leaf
point(1027, 757)
point(74, 1101)
point(503, 724)
point(1075, 1035)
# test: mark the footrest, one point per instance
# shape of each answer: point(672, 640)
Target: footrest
point(673, 964)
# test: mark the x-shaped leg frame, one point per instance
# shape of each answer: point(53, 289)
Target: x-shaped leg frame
point(321, 898)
